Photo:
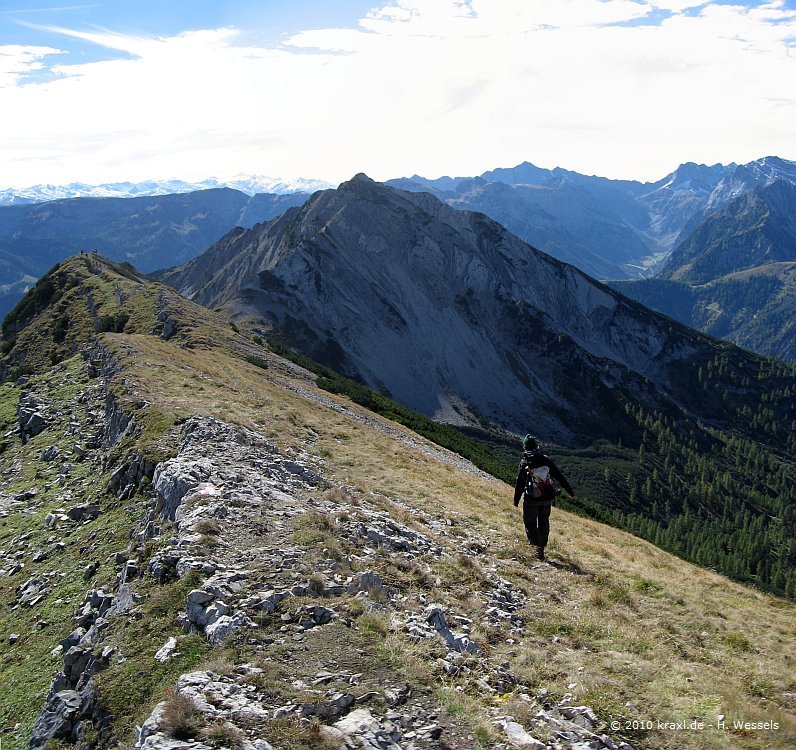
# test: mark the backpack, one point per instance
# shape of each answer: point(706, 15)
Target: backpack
point(540, 485)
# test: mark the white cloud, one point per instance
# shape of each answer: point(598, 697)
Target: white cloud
point(432, 87)
point(17, 61)
point(676, 6)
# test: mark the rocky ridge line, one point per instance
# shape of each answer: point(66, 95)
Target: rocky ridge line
point(239, 480)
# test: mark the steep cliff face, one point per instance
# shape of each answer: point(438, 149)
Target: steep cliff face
point(447, 312)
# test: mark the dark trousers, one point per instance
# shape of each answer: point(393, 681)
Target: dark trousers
point(536, 516)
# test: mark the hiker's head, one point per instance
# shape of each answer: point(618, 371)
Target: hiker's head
point(529, 443)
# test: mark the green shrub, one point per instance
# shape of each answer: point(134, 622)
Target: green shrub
point(60, 327)
point(36, 299)
point(257, 362)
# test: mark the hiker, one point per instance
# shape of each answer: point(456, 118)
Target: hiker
point(533, 478)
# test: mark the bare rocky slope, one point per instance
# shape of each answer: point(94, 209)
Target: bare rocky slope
point(199, 549)
point(452, 315)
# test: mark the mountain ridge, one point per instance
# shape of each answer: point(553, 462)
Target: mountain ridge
point(468, 248)
point(647, 218)
point(150, 231)
point(204, 548)
point(449, 314)
point(381, 212)
point(732, 276)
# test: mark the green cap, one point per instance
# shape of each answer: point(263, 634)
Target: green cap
point(529, 442)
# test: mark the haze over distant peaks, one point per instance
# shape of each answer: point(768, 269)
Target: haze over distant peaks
point(612, 229)
point(249, 184)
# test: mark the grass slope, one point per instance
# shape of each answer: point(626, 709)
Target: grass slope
point(694, 489)
point(638, 634)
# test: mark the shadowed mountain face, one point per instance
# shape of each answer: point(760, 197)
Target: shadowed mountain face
point(452, 315)
point(733, 277)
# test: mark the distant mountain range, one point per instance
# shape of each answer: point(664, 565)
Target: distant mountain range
point(249, 184)
point(150, 232)
point(621, 230)
point(734, 275)
point(754, 229)
point(612, 229)
point(724, 233)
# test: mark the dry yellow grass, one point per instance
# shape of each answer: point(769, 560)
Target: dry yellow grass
point(638, 634)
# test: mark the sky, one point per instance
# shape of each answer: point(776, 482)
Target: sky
point(191, 89)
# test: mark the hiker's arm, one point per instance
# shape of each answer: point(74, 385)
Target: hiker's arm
point(519, 485)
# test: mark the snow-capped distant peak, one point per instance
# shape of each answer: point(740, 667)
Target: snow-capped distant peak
point(745, 177)
point(249, 184)
point(252, 184)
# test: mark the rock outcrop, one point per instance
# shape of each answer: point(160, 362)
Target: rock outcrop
point(227, 483)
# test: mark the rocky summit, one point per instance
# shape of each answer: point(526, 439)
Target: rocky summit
point(199, 548)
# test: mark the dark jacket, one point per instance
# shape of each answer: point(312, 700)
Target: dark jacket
point(532, 460)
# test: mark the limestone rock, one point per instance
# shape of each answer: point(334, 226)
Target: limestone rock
point(32, 415)
point(518, 737)
point(460, 643)
point(167, 650)
point(84, 512)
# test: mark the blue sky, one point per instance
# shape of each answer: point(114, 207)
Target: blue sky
point(264, 21)
point(105, 91)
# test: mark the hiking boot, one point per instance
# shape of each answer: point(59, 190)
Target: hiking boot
point(540, 553)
